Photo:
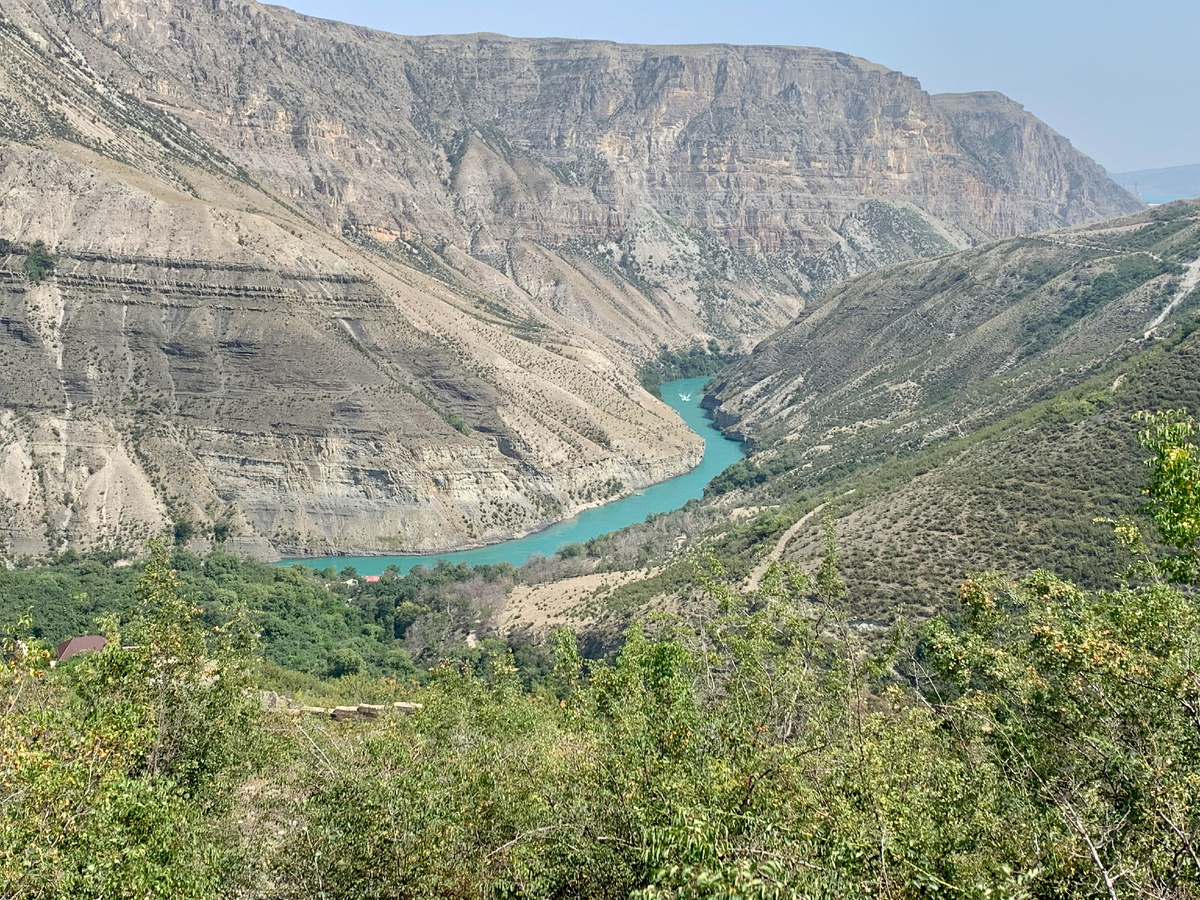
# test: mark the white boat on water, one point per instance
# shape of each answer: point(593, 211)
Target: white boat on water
point(685, 397)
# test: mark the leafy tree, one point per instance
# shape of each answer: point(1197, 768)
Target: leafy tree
point(183, 531)
point(1088, 702)
point(344, 661)
point(116, 767)
point(1174, 491)
point(39, 262)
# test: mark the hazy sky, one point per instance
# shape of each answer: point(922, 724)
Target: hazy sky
point(1120, 79)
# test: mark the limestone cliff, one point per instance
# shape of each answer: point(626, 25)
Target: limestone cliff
point(331, 289)
point(283, 384)
point(765, 148)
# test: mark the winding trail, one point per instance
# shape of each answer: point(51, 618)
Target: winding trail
point(1080, 245)
point(1191, 278)
point(776, 553)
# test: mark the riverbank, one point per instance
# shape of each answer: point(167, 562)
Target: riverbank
point(720, 452)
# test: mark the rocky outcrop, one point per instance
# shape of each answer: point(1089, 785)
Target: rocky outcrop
point(324, 289)
point(1020, 155)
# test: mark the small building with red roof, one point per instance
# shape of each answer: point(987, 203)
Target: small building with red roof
point(71, 647)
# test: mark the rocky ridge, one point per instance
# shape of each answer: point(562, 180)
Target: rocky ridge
point(487, 141)
point(902, 357)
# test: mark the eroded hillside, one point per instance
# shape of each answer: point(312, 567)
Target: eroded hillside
point(931, 347)
point(201, 352)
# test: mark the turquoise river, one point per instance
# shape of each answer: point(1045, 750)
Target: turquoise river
point(719, 453)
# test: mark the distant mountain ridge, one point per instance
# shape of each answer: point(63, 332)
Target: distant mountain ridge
point(1176, 181)
point(482, 140)
point(326, 289)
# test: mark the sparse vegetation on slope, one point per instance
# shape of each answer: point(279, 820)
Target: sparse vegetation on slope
point(980, 418)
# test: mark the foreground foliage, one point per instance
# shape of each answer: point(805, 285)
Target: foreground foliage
point(1044, 744)
point(117, 768)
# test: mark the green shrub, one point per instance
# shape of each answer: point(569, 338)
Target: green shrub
point(39, 262)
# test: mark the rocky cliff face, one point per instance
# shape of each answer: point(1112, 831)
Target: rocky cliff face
point(300, 394)
point(766, 148)
point(332, 289)
point(484, 140)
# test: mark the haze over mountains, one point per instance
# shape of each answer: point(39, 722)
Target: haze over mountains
point(337, 290)
point(1175, 182)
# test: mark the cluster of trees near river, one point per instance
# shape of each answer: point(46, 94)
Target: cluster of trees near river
point(1045, 742)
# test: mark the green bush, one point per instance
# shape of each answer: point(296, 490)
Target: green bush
point(39, 262)
point(183, 531)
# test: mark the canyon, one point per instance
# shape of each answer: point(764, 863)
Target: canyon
point(318, 289)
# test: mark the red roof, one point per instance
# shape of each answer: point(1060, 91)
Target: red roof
point(69, 648)
point(371, 578)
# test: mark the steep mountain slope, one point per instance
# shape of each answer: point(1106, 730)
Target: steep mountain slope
point(489, 142)
point(202, 352)
point(330, 289)
point(912, 352)
point(973, 411)
point(300, 392)
point(1017, 153)
point(1037, 490)
point(970, 413)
